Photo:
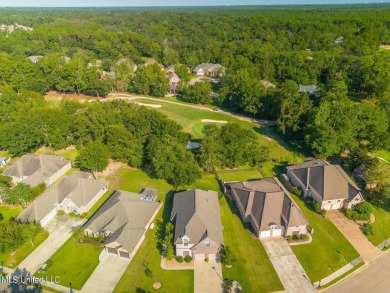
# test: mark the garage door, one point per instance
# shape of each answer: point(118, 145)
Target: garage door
point(112, 250)
point(265, 234)
point(200, 256)
point(124, 254)
point(277, 232)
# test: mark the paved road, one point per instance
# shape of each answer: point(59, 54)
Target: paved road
point(60, 229)
point(354, 235)
point(373, 278)
point(207, 276)
point(107, 274)
point(287, 266)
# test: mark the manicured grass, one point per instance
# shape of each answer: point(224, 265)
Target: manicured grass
point(321, 257)
point(9, 212)
point(135, 279)
point(73, 263)
point(383, 154)
point(11, 260)
point(68, 154)
point(253, 268)
point(381, 226)
point(241, 175)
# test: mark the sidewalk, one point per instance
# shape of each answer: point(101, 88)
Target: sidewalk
point(384, 244)
point(338, 273)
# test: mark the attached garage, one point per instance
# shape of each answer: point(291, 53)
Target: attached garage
point(124, 254)
point(201, 256)
point(277, 232)
point(265, 234)
point(112, 250)
point(49, 216)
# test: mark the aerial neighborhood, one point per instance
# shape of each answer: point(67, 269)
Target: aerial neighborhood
point(196, 149)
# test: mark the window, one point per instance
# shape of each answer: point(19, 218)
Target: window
point(185, 241)
point(207, 242)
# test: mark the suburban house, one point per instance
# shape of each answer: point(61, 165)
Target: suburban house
point(66, 59)
point(34, 170)
point(267, 84)
point(209, 69)
point(72, 194)
point(4, 161)
point(268, 207)
point(327, 184)
point(310, 89)
point(34, 59)
point(123, 220)
point(174, 81)
point(198, 228)
point(339, 40)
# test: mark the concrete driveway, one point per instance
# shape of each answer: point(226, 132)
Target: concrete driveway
point(107, 274)
point(60, 229)
point(287, 266)
point(372, 278)
point(207, 276)
point(355, 236)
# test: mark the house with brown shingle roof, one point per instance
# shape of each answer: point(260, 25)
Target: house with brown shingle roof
point(123, 220)
point(34, 170)
point(71, 194)
point(268, 207)
point(198, 228)
point(327, 184)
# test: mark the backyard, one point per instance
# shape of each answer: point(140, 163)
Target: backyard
point(73, 263)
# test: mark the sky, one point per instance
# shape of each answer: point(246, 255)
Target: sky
point(96, 3)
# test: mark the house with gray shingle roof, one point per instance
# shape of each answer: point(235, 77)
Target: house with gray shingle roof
point(34, 59)
point(34, 170)
point(4, 161)
point(123, 220)
point(71, 194)
point(327, 184)
point(209, 69)
point(310, 89)
point(198, 228)
point(268, 207)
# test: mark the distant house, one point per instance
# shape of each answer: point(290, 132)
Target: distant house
point(268, 207)
point(327, 184)
point(66, 59)
point(174, 81)
point(360, 173)
point(123, 220)
point(267, 84)
point(4, 161)
point(34, 59)
point(198, 228)
point(339, 40)
point(310, 89)
point(210, 70)
point(34, 170)
point(191, 145)
point(131, 65)
point(72, 194)
point(170, 69)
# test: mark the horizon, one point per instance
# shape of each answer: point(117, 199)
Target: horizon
point(177, 3)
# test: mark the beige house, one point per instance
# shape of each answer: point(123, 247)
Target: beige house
point(327, 184)
point(268, 207)
point(209, 69)
point(34, 170)
point(198, 228)
point(74, 193)
point(123, 220)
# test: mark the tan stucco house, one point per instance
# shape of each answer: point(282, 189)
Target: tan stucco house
point(123, 220)
point(327, 184)
point(268, 207)
point(34, 170)
point(198, 228)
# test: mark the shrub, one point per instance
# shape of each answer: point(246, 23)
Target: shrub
point(364, 208)
point(179, 258)
point(187, 258)
point(289, 238)
point(227, 257)
point(60, 213)
point(297, 191)
point(368, 229)
point(206, 259)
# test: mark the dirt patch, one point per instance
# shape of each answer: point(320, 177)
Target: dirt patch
point(110, 173)
point(214, 121)
point(148, 105)
point(72, 96)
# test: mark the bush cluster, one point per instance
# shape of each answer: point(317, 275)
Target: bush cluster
point(187, 258)
point(179, 258)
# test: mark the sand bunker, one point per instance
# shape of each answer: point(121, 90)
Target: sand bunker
point(148, 105)
point(214, 121)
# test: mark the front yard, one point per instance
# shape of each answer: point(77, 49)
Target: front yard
point(9, 212)
point(381, 226)
point(73, 263)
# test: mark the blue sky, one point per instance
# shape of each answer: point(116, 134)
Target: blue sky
point(84, 3)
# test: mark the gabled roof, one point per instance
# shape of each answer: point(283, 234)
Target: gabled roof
point(76, 189)
point(126, 216)
point(311, 89)
point(207, 67)
point(37, 169)
point(267, 202)
point(196, 214)
point(327, 181)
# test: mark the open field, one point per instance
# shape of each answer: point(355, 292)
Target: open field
point(73, 263)
point(68, 153)
point(11, 260)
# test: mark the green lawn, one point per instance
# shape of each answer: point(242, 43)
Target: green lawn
point(253, 268)
point(9, 212)
point(11, 260)
point(73, 263)
point(381, 226)
point(320, 258)
point(241, 175)
point(383, 154)
point(68, 154)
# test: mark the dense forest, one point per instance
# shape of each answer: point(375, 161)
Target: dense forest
point(337, 49)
